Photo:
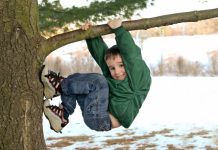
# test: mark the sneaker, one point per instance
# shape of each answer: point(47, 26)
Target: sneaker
point(55, 116)
point(50, 81)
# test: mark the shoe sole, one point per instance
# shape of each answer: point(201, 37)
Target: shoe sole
point(54, 120)
point(49, 91)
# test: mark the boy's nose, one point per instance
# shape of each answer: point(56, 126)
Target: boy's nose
point(117, 71)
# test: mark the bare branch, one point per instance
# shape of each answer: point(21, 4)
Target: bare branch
point(141, 24)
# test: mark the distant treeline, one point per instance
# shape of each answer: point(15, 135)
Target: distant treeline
point(169, 66)
point(183, 67)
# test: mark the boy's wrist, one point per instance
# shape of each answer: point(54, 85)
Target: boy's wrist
point(118, 30)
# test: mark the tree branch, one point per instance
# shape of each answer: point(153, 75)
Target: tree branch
point(141, 24)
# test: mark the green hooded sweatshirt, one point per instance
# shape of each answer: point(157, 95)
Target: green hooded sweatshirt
point(125, 96)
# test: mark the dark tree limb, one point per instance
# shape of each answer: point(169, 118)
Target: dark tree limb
point(141, 24)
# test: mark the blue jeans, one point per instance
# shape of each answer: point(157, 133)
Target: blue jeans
point(91, 92)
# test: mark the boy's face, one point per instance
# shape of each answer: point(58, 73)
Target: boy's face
point(116, 67)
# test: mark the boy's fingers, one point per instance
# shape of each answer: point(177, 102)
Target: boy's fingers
point(115, 23)
point(86, 26)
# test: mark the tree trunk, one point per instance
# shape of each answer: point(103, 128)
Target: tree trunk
point(20, 90)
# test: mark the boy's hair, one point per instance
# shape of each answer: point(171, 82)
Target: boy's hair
point(111, 52)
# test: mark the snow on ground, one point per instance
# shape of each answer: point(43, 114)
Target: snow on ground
point(180, 111)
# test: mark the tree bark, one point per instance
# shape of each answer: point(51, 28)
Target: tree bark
point(20, 90)
point(141, 24)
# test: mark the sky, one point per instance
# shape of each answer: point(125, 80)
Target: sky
point(160, 7)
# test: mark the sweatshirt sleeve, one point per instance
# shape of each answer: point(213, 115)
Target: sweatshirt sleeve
point(136, 68)
point(97, 48)
point(126, 44)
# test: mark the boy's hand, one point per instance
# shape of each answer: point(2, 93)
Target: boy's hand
point(86, 26)
point(113, 24)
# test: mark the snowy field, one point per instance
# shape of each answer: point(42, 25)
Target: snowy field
point(179, 112)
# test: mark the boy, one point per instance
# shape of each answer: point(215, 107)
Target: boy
point(127, 75)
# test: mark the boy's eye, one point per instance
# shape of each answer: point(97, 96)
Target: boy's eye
point(121, 65)
point(111, 68)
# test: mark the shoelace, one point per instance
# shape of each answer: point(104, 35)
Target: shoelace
point(54, 79)
point(59, 112)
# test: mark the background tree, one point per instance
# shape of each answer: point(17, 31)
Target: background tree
point(22, 51)
point(52, 14)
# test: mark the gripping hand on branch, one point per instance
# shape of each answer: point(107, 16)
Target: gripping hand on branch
point(86, 26)
point(113, 24)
